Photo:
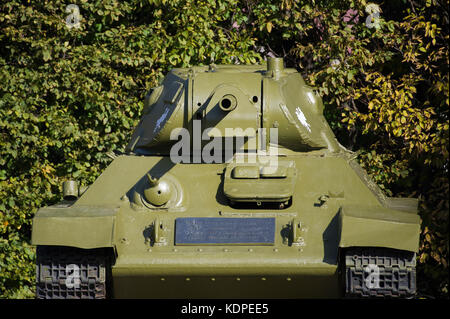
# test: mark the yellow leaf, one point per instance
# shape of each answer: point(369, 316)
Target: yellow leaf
point(269, 26)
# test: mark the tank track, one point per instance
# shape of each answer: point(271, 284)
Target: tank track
point(71, 273)
point(379, 273)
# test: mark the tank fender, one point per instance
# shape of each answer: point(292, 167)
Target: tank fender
point(76, 226)
point(379, 227)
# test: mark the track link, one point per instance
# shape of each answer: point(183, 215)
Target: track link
point(379, 272)
point(71, 273)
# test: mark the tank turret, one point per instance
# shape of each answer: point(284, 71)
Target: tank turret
point(234, 101)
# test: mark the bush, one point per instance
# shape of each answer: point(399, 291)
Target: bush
point(69, 95)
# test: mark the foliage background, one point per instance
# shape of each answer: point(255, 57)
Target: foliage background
point(68, 96)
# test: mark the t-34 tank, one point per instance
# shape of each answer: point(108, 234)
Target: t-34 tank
point(232, 186)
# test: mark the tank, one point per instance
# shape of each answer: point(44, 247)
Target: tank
point(232, 186)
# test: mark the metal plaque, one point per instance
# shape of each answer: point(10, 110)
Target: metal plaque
point(224, 231)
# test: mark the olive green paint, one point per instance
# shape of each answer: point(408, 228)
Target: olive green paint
point(80, 226)
point(323, 200)
point(374, 226)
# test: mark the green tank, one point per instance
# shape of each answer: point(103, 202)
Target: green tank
point(232, 186)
